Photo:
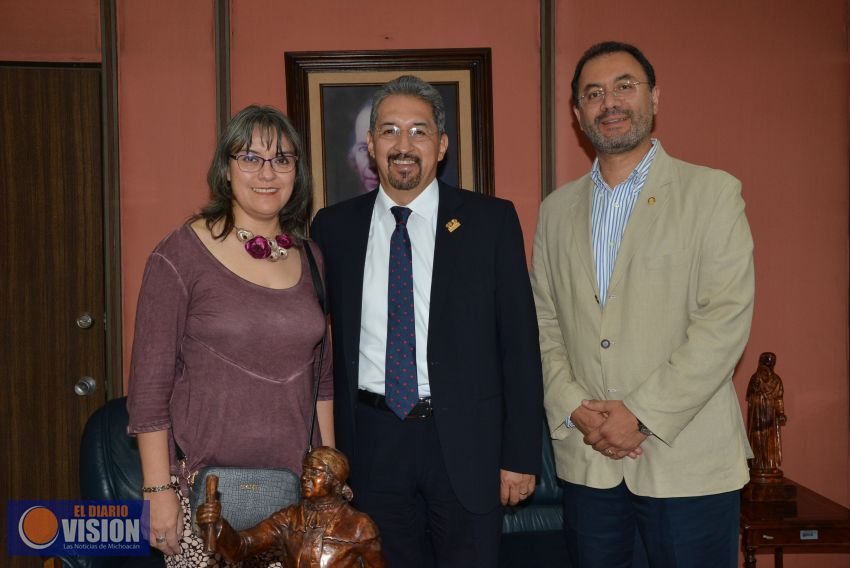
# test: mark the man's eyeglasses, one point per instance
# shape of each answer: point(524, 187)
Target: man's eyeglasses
point(620, 90)
point(393, 132)
point(250, 163)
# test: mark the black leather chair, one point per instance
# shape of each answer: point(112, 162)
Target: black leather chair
point(533, 532)
point(110, 469)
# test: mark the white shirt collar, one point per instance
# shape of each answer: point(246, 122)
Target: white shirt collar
point(424, 205)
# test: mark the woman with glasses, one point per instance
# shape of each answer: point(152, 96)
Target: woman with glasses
point(227, 329)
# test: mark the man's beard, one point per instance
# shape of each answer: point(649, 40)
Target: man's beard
point(640, 130)
point(406, 183)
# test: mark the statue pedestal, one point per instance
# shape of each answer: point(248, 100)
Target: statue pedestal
point(768, 487)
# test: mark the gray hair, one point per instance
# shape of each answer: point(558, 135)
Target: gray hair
point(411, 86)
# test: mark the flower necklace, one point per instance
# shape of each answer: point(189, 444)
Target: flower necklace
point(261, 247)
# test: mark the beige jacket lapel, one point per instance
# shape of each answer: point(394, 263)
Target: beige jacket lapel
point(582, 234)
point(648, 208)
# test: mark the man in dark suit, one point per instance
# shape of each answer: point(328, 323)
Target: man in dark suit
point(437, 377)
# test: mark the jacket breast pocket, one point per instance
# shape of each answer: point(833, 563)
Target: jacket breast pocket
point(674, 260)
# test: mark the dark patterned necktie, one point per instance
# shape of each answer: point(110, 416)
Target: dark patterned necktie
point(401, 387)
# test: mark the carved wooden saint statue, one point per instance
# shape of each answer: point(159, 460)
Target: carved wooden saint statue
point(323, 531)
point(765, 415)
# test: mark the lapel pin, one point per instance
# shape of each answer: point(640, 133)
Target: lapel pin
point(453, 225)
point(651, 201)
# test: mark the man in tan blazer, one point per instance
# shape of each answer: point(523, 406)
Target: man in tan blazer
point(643, 279)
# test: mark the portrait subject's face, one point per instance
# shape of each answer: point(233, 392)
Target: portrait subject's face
point(405, 144)
point(616, 124)
point(358, 156)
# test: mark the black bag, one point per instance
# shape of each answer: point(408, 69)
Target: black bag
point(250, 495)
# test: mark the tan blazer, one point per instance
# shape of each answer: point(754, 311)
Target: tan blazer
point(677, 318)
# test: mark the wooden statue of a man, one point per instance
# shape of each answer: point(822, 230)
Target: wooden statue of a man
point(766, 414)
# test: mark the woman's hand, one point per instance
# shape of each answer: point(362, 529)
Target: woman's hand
point(166, 513)
point(166, 521)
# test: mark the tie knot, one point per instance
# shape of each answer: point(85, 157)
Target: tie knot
point(401, 214)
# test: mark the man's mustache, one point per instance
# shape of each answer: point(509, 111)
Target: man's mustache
point(612, 112)
point(403, 156)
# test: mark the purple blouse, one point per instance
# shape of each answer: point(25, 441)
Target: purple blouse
point(225, 363)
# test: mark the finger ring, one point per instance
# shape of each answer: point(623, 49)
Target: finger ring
point(609, 451)
point(160, 539)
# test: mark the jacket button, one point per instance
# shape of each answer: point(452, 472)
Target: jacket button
point(605, 344)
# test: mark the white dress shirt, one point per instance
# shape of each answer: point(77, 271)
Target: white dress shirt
point(422, 228)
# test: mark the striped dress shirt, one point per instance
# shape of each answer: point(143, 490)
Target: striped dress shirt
point(610, 214)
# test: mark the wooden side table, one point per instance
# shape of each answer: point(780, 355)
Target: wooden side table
point(812, 523)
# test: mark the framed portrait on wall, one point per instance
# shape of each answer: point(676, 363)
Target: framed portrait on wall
point(329, 96)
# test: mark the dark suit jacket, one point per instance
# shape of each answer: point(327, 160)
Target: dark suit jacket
point(483, 353)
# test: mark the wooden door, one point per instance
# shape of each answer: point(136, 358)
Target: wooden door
point(51, 253)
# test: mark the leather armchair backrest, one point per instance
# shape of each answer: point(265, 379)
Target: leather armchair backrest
point(109, 458)
point(543, 511)
point(110, 469)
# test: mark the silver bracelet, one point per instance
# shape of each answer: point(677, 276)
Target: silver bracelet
point(159, 488)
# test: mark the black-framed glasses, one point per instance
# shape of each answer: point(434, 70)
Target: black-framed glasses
point(251, 163)
point(621, 90)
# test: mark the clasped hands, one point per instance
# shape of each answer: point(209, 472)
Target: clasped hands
point(609, 427)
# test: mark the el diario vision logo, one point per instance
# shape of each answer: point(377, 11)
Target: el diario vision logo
point(78, 528)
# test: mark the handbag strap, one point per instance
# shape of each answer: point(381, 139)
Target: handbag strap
point(317, 279)
point(318, 286)
point(317, 369)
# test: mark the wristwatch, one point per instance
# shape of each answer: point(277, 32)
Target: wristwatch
point(643, 429)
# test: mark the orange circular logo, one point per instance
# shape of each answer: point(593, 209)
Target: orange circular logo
point(38, 527)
